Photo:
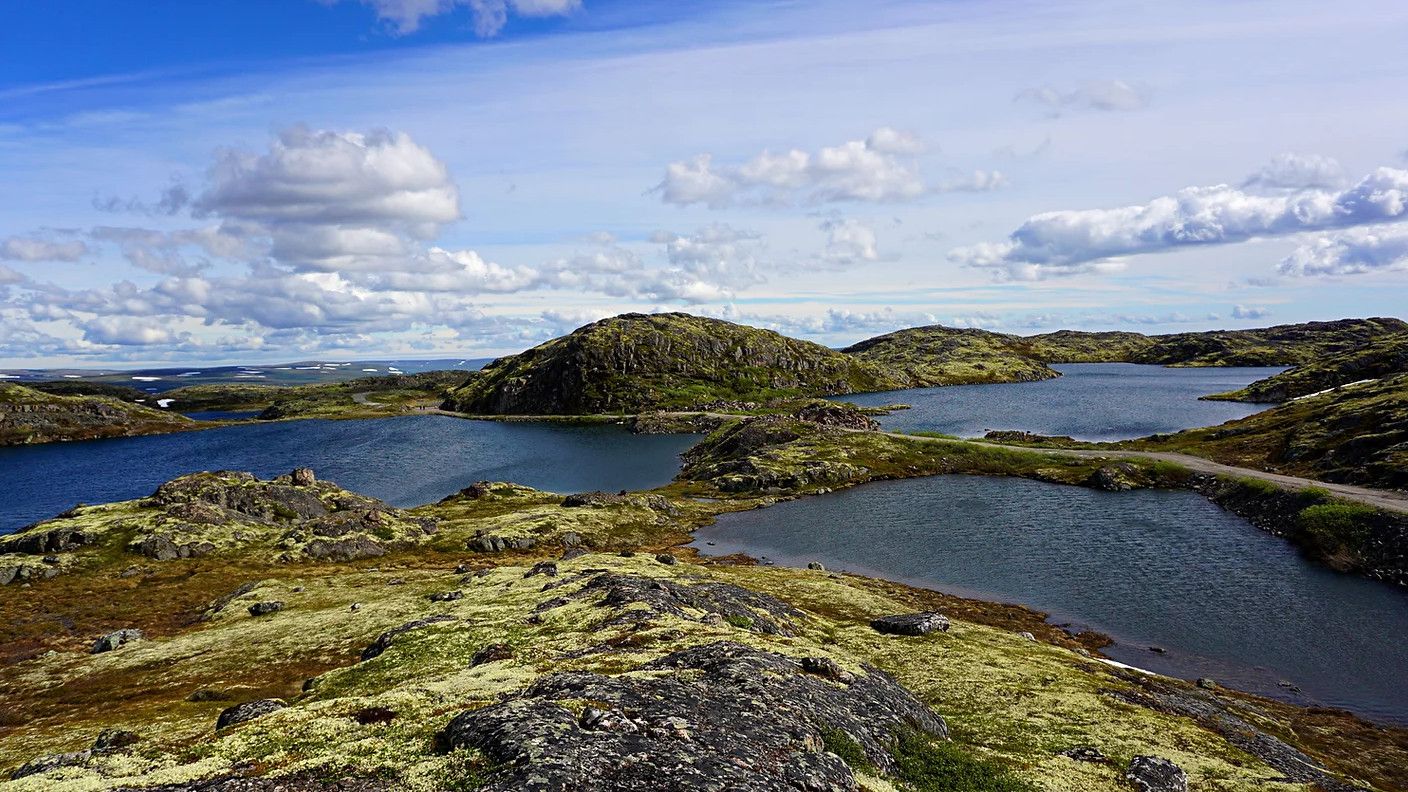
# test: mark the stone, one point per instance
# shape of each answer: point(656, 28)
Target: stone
point(1156, 774)
point(303, 477)
point(1206, 684)
point(828, 668)
point(51, 762)
point(248, 711)
point(573, 552)
point(446, 596)
point(348, 549)
point(666, 558)
point(1085, 753)
point(816, 566)
point(115, 640)
point(718, 716)
point(1026, 636)
point(548, 568)
point(911, 623)
point(571, 539)
point(491, 653)
point(265, 608)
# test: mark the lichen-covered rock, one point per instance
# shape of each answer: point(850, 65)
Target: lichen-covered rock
point(384, 641)
point(911, 623)
point(115, 739)
point(763, 613)
point(490, 654)
point(115, 640)
point(51, 762)
point(248, 711)
point(1118, 477)
point(1156, 774)
point(265, 608)
point(720, 716)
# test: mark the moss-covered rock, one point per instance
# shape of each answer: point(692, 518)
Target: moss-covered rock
point(31, 416)
point(639, 362)
point(937, 355)
point(1281, 345)
point(1377, 358)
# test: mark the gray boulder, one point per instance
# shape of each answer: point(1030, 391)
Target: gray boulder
point(1156, 774)
point(116, 639)
point(911, 623)
point(247, 711)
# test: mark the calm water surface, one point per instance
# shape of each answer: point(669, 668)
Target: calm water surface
point(1090, 401)
point(1148, 568)
point(404, 461)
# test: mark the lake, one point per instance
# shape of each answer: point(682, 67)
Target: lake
point(1090, 401)
point(404, 461)
point(1148, 568)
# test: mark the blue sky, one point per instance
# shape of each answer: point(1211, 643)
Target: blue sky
point(259, 181)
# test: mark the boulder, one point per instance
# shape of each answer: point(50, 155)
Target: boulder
point(348, 549)
point(247, 711)
point(667, 559)
point(51, 762)
point(114, 739)
point(116, 639)
point(446, 596)
point(1156, 774)
point(911, 623)
point(303, 477)
point(265, 608)
point(1085, 753)
point(548, 568)
point(491, 653)
point(384, 641)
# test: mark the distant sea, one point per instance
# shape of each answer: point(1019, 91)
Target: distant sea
point(157, 380)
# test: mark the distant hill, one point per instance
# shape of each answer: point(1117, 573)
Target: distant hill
point(636, 362)
point(1282, 345)
point(1079, 346)
point(1380, 357)
point(31, 416)
point(937, 355)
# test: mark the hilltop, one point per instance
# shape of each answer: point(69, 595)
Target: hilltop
point(937, 355)
point(637, 362)
point(31, 416)
point(1281, 345)
point(1379, 357)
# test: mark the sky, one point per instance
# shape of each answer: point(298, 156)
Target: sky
point(268, 180)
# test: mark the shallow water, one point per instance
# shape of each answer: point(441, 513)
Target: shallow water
point(1090, 401)
point(1148, 568)
point(405, 461)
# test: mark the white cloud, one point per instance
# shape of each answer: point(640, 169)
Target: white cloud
point(1106, 95)
point(849, 241)
point(1353, 252)
point(127, 331)
point(490, 16)
point(1074, 241)
point(9, 277)
point(881, 168)
point(17, 248)
point(1298, 172)
point(1249, 312)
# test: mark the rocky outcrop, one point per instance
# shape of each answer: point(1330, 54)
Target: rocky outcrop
point(910, 623)
point(115, 640)
point(720, 716)
point(936, 355)
point(1156, 774)
point(640, 362)
point(248, 711)
point(386, 639)
point(30, 416)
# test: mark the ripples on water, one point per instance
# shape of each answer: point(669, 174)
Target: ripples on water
point(1149, 567)
point(1090, 401)
point(404, 461)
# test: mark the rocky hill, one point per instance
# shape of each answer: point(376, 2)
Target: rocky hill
point(937, 355)
point(636, 362)
point(1078, 346)
point(1355, 434)
point(1380, 357)
point(1282, 345)
point(32, 416)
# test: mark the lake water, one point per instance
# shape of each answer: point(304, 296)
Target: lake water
point(1148, 568)
point(1090, 401)
point(405, 461)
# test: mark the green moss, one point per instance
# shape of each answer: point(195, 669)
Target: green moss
point(1336, 529)
point(741, 622)
point(845, 746)
point(936, 766)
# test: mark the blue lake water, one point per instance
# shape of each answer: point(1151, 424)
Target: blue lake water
point(1090, 401)
point(1148, 568)
point(405, 461)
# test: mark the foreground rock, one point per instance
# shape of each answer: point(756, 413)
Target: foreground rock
point(911, 624)
point(720, 716)
point(1155, 774)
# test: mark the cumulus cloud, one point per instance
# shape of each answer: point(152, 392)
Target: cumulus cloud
point(849, 241)
point(879, 169)
point(1249, 312)
point(1105, 95)
point(1353, 252)
point(126, 331)
point(708, 265)
point(1298, 172)
point(1075, 241)
point(18, 248)
point(405, 16)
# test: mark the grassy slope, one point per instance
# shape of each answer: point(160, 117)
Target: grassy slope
point(1282, 345)
point(1355, 435)
point(332, 400)
point(1380, 357)
point(31, 416)
point(1075, 346)
point(1012, 701)
point(638, 362)
point(938, 355)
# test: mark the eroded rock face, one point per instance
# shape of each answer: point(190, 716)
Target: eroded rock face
point(248, 711)
point(721, 716)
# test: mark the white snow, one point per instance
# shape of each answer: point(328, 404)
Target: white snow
point(164, 403)
point(147, 379)
point(1332, 390)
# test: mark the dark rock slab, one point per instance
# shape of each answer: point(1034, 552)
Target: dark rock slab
point(911, 623)
point(248, 711)
point(1156, 774)
point(115, 640)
